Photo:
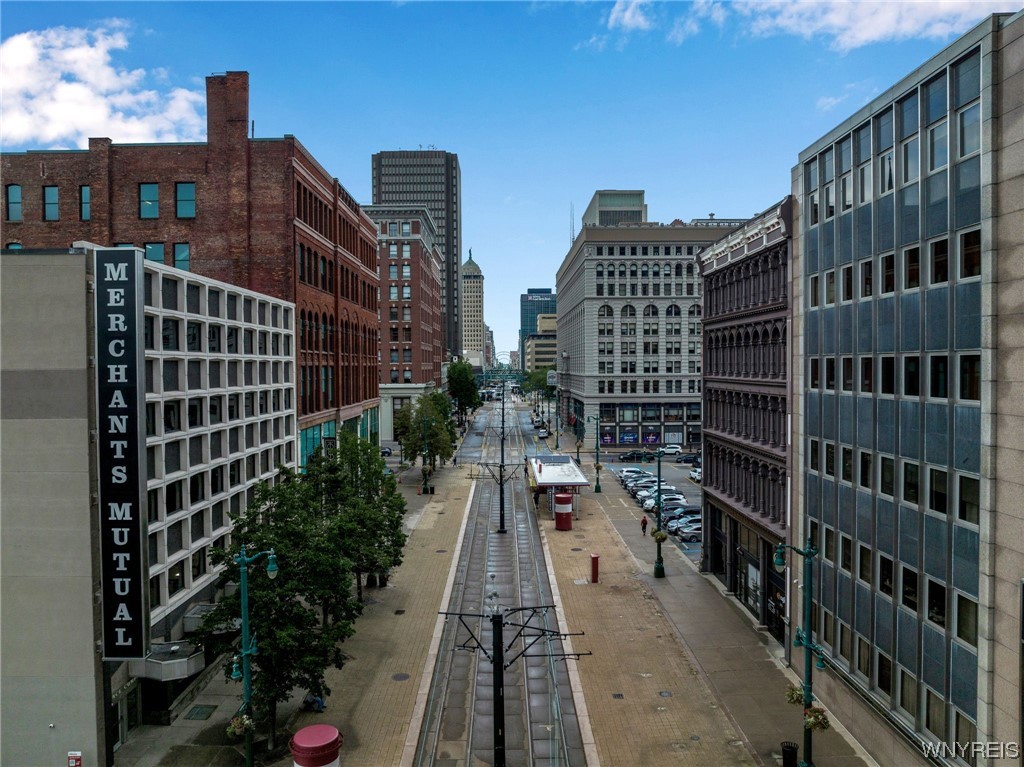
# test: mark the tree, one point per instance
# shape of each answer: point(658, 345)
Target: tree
point(462, 388)
point(338, 520)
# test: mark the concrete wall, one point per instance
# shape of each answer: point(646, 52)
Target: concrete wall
point(51, 689)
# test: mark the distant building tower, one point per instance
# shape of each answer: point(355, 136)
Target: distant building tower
point(472, 312)
point(431, 178)
point(611, 207)
point(489, 352)
point(533, 302)
point(541, 344)
point(411, 322)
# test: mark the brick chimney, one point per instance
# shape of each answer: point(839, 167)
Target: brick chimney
point(227, 109)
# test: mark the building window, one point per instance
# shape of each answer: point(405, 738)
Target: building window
point(13, 202)
point(814, 290)
point(938, 376)
point(887, 484)
point(847, 464)
point(888, 383)
point(938, 146)
point(813, 453)
point(149, 200)
point(938, 494)
point(911, 482)
point(185, 199)
point(847, 286)
point(864, 560)
point(84, 203)
point(967, 619)
point(909, 588)
point(883, 669)
point(968, 500)
point(155, 252)
point(911, 268)
point(935, 715)
point(830, 288)
point(970, 377)
point(51, 206)
point(970, 130)
point(912, 376)
point(936, 602)
point(847, 373)
point(885, 575)
point(970, 254)
point(866, 477)
point(866, 271)
point(182, 255)
point(908, 693)
point(940, 261)
point(888, 274)
point(867, 374)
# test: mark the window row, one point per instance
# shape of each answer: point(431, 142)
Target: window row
point(931, 488)
point(681, 289)
point(932, 376)
point(180, 415)
point(878, 276)
point(644, 270)
point(212, 338)
point(163, 291)
point(169, 458)
point(179, 375)
point(644, 250)
point(647, 367)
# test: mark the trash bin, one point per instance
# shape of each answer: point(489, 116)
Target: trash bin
point(563, 511)
point(789, 753)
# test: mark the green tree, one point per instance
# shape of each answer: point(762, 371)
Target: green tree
point(462, 388)
point(296, 641)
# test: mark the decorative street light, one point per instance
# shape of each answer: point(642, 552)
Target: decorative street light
point(659, 563)
point(597, 450)
point(802, 637)
point(558, 406)
point(248, 645)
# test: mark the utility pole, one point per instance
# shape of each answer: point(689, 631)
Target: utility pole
point(501, 479)
point(530, 635)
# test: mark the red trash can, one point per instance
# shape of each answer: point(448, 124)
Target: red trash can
point(563, 511)
point(318, 745)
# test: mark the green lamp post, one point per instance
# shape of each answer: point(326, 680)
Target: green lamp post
point(558, 406)
point(248, 644)
point(802, 637)
point(426, 448)
point(597, 450)
point(659, 563)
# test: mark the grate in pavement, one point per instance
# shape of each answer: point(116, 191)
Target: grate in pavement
point(575, 548)
point(200, 712)
point(618, 695)
point(400, 677)
point(441, 551)
point(665, 693)
point(581, 581)
point(399, 612)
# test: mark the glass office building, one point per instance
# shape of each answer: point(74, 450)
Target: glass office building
point(904, 232)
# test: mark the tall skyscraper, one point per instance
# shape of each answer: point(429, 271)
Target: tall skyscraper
point(473, 312)
point(430, 178)
point(533, 302)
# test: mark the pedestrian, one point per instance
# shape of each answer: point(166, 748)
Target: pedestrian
point(643, 524)
point(455, 460)
point(536, 499)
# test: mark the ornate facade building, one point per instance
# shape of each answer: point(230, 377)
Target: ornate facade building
point(745, 464)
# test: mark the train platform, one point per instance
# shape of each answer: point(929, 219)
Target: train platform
point(678, 675)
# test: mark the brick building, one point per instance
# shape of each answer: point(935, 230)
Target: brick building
point(411, 314)
point(261, 214)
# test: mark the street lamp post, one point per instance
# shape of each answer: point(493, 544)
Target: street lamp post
point(802, 637)
point(248, 645)
point(597, 451)
point(558, 406)
point(659, 563)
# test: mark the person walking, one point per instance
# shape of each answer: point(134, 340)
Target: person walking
point(455, 460)
point(643, 524)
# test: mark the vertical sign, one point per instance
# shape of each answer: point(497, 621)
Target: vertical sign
point(118, 277)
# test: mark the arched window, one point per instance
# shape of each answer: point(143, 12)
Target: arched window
point(600, 270)
point(302, 262)
point(650, 310)
point(673, 311)
point(656, 271)
point(302, 329)
point(632, 271)
point(628, 311)
point(644, 271)
point(622, 270)
point(679, 270)
point(605, 311)
point(689, 270)
point(323, 273)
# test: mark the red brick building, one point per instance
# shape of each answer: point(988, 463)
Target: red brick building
point(262, 214)
point(411, 312)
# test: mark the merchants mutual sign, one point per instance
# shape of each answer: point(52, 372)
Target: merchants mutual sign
point(118, 275)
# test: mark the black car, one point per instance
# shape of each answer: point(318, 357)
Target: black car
point(636, 455)
point(693, 458)
point(385, 452)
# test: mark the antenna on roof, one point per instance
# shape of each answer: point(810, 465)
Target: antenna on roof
point(253, 130)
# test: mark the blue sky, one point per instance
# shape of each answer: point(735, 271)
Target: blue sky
point(705, 105)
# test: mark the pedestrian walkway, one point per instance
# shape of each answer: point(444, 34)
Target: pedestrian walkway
point(678, 675)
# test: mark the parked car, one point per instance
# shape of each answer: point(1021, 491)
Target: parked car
point(681, 523)
point(670, 449)
point(385, 452)
point(693, 458)
point(543, 434)
point(645, 484)
point(691, 533)
point(667, 498)
point(696, 475)
point(644, 495)
point(625, 475)
point(636, 455)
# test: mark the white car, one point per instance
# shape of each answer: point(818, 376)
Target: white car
point(644, 495)
point(696, 475)
point(670, 449)
point(649, 503)
point(543, 434)
point(692, 533)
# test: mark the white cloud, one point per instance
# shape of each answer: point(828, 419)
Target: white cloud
point(629, 15)
point(828, 103)
point(61, 86)
point(691, 24)
point(596, 42)
point(855, 24)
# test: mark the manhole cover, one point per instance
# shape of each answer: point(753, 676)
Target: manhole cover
point(441, 551)
point(400, 677)
point(200, 712)
point(399, 612)
point(665, 693)
point(618, 695)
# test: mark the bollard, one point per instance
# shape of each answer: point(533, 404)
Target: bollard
point(595, 561)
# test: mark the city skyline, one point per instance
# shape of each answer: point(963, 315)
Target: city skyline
point(576, 97)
